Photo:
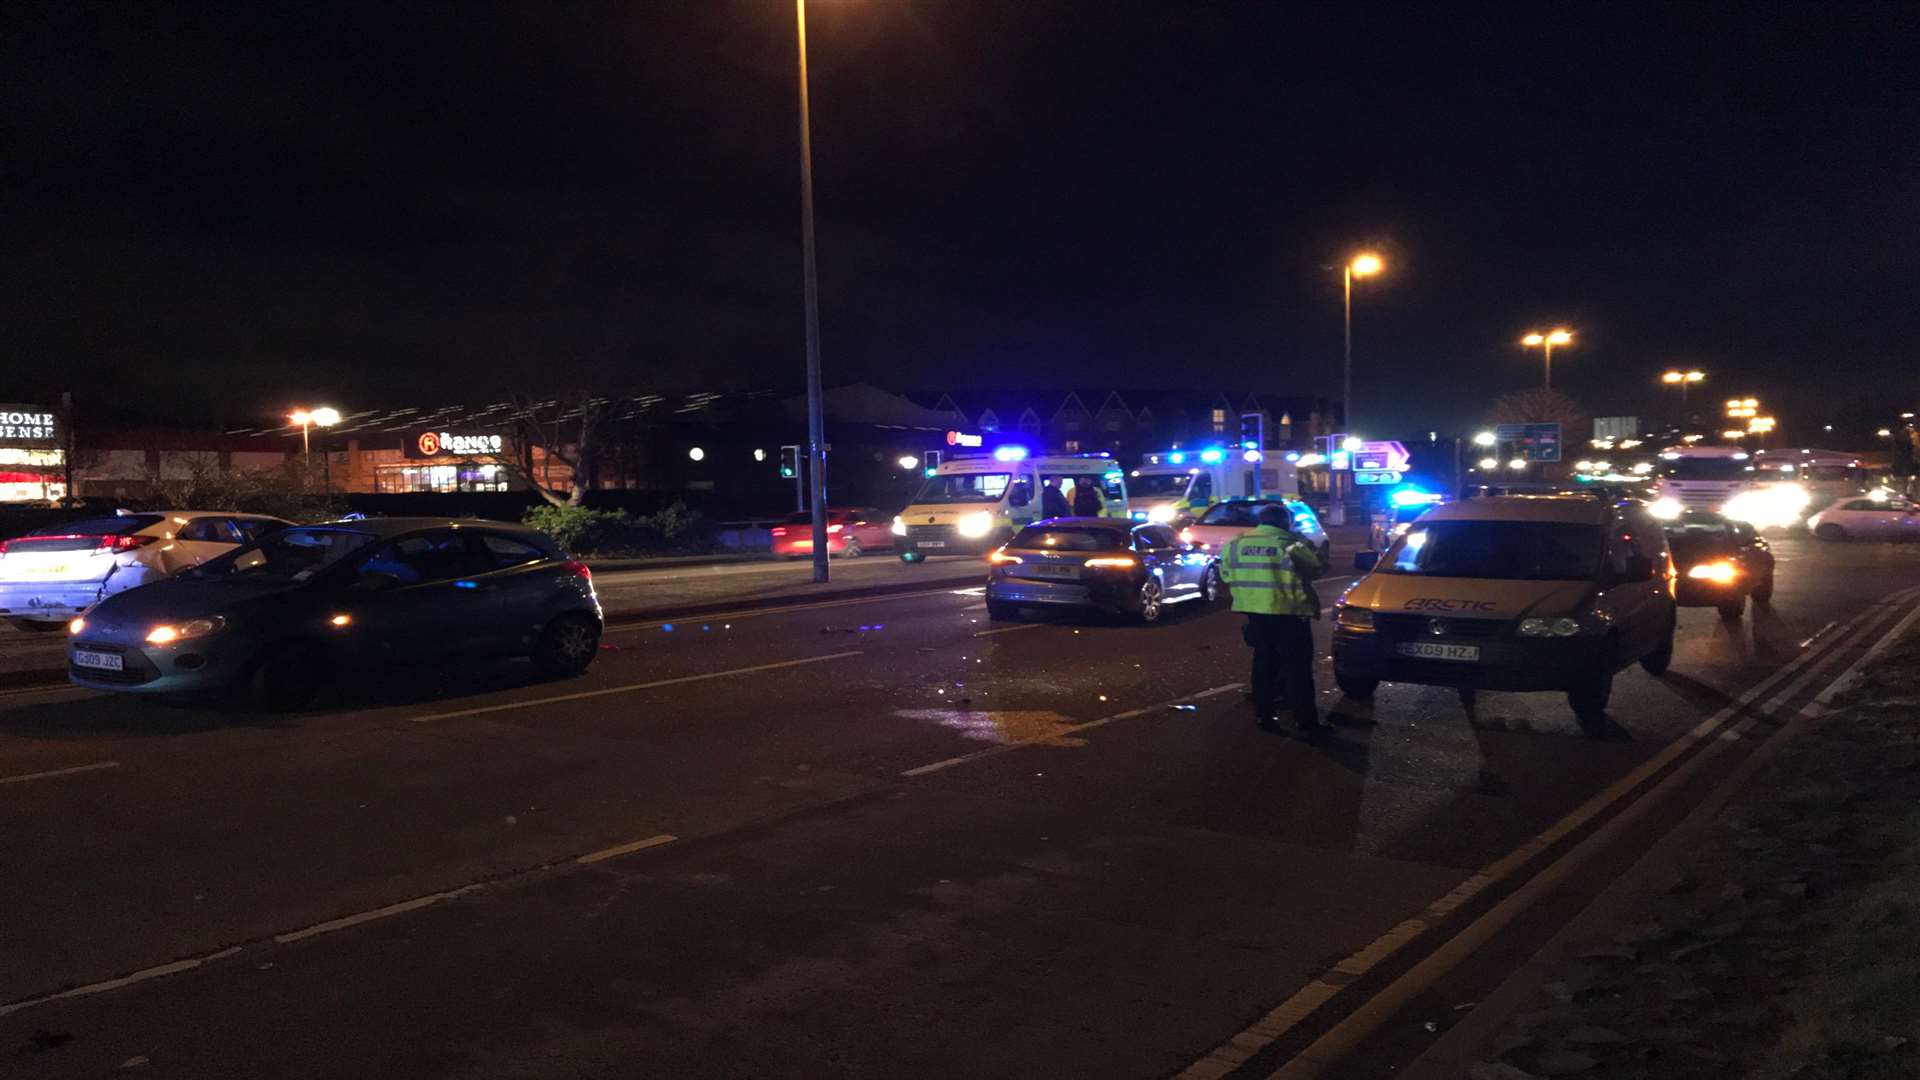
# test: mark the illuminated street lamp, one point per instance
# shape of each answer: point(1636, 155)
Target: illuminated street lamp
point(1485, 438)
point(1733, 435)
point(313, 418)
point(1363, 265)
point(1683, 379)
point(1885, 433)
point(1546, 342)
point(810, 283)
point(1742, 408)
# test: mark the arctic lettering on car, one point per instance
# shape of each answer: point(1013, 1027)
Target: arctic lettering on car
point(1434, 603)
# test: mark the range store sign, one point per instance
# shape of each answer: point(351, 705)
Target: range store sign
point(433, 444)
point(32, 426)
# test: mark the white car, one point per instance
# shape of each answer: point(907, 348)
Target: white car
point(1881, 516)
point(52, 574)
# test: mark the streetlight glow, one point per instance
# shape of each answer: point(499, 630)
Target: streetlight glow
point(908, 461)
point(1532, 340)
point(1352, 444)
point(1485, 438)
point(1489, 463)
point(324, 416)
point(1545, 342)
point(1366, 264)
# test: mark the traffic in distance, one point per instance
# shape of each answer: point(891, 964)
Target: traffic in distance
point(1525, 588)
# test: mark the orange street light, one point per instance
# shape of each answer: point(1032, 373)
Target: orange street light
point(1364, 265)
point(1545, 342)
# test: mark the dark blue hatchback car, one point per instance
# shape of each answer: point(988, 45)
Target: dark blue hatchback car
point(275, 619)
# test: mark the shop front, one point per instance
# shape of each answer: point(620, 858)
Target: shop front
point(33, 457)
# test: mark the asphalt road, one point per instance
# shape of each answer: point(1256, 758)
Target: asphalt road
point(880, 839)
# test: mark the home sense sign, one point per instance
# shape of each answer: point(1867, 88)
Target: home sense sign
point(30, 425)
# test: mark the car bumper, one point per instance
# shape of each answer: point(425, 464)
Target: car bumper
point(1113, 595)
point(53, 601)
point(189, 667)
point(1689, 593)
point(950, 544)
point(805, 547)
point(1505, 663)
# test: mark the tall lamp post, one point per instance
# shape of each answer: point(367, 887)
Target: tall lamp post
point(816, 422)
point(1683, 379)
point(313, 418)
point(1546, 341)
point(1363, 265)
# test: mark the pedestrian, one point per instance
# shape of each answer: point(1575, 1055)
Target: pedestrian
point(1270, 572)
point(1052, 503)
point(1086, 497)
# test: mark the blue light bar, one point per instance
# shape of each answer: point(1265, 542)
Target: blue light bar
point(1211, 456)
point(1253, 457)
point(1293, 455)
point(1177, 458)
point(1412, 496)
point(1010, 453)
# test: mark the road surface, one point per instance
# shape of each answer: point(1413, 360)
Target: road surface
point(878, 839)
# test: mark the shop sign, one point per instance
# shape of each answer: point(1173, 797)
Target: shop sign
point(962, 438)
point(454, 444)
point(30, 425)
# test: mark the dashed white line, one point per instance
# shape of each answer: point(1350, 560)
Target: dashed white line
point(632, 687)
point(618, 850)
point(390, 910)
point(1008, 629)
point(51, 773)
point(104, 985)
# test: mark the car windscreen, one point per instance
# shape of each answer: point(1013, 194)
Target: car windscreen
point(1707, 468)
point(964, 487)
point(1067, 538)
point(1504, 550)
point(289, 555)
point(1236, 515)
point(81, 535)
point(1159, 485)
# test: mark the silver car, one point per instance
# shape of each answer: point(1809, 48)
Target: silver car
point(274, 620)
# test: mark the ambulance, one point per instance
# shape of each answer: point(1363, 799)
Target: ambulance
point(1177, 486)
point(972, 505)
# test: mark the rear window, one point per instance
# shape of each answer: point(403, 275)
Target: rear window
point(1051, 538)
point(1233, 514)
point(1502, 550)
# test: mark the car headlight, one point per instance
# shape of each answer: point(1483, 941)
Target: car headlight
point(1549, 627)
point(899, 525)
point(1160, 515)
point(1666, 508)
point(78, 624)
point(168, 633)
point(1720, 572)
point(1353, 618)
point(974, 525)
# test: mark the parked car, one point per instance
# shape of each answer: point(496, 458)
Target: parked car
point(1110, 564)
point(275, 620)
point(55, 572)
point(850, 531)
point(1879, 516)
point(1720, 562)
point(1224, 521)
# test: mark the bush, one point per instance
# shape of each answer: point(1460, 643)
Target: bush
point(585, 531)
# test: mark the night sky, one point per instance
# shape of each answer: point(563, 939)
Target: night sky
point(219, 213)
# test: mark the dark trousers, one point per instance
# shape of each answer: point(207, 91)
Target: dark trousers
point(1282, 666)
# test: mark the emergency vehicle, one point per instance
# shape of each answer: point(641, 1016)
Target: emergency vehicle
point(972, 505)
point(1177, 486)
point(1726, 480)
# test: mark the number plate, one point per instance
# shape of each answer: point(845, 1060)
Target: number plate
point(103, 661)
point(1433, 651)
point(1051, 570)
point(930, 543)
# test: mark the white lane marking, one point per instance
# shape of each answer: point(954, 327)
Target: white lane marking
point(1057, 733)
point(625, 849)
point(778, 609)
point(125, 980)
point(51, 773)
point(632, 687)
point(60, 688)
point(1236, 1051)
point(1008, 629)
point(390, 910)
point(1344, 1036)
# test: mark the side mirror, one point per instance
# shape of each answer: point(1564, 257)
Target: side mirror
point(374, 581)
point(1364, 561)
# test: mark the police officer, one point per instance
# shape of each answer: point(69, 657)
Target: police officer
point(1270, 571)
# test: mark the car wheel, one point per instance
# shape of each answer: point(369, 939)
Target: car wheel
point(850, 549)
point(567, 646)
point(1148, 603)
point(1589, 703)
point(287, 678)
point(1001, 611)
point(1210, 585)
point(1731, 610)
point(1656, 662)
point(1830, 531)
point(36, 626)
point(1764, 593)
point(1356, 687)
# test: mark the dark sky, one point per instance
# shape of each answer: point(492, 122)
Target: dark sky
point(235, 210)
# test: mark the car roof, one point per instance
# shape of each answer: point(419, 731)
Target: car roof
point(1572, 509)
point(395, 526)
point(1116, 524)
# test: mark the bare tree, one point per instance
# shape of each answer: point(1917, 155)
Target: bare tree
point(1541, 407)
point(569, 429)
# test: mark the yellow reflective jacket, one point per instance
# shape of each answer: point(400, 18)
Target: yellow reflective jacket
point(1270, 572)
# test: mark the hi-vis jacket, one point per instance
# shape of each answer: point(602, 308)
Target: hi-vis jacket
point(1270, 571)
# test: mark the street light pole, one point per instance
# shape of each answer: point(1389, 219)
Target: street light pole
point(816, 423)
point(1547, 341)
point(1346, 388)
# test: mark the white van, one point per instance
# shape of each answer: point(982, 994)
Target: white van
point(971, 505)
point(1177, 486)
point(1514, 592)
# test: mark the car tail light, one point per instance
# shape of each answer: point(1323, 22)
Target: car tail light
point(125, 543)
point(1112, 562)
point(579, 569)
point(835, 528)
point(779, 530)
point(999, 557)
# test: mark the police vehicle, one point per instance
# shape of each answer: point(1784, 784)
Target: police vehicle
point(972, 505)
point(1177, 486)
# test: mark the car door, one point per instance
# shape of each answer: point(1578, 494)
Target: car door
point(1629, 598)
point(417, 598)
point(864, 522)
point(522, 584)
point(1160, 551)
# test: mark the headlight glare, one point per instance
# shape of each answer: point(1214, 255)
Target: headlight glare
point(166, 634)
point(974, 525)
point(1160, 515)
point(899, 525)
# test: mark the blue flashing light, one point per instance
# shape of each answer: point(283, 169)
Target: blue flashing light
point(1253, 457)
point(930, 472)
point(466, 584)
point(1177, 459)
point(1139, 515)
point(1412, 496)
point(1211, 456)
point(1293, 456)
point(1010, 453)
